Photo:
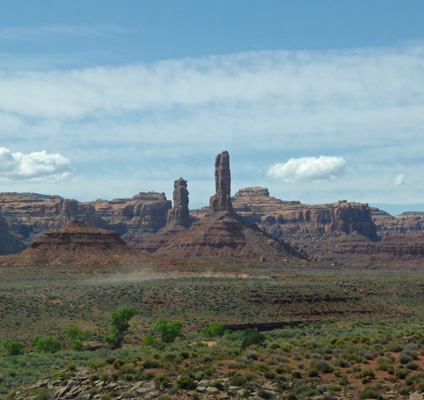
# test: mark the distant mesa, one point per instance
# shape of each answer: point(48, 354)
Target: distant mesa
point(76, 244)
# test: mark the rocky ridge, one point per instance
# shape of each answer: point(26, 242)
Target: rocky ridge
point(291, 219)
point(76, 244)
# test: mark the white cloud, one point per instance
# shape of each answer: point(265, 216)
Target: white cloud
point(399, 179)
point(38, 166)
point(310, 169)
point(366, 104)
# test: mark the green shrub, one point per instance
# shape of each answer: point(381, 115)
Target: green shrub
point(168, 331)
point(213, 330)
point(13, 348)
point(149, 340)
point(162, 382)
point(402, 373)
point(46, 345)
point(370, 392)
point(186, 382)
point(252, 336)
point(367, 373)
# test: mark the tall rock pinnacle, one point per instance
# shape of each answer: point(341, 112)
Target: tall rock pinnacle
point(222, 199)
point(179, 214)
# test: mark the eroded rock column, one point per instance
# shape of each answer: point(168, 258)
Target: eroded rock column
point(179, 214)
point(222, 199)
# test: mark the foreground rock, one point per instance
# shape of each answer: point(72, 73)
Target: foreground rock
point(76, 244)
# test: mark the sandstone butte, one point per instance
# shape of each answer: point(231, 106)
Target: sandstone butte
point(76, 244)
point(224, 233)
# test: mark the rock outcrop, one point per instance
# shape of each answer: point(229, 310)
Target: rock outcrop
point(29, 215)
point(178, 220)
point(291, 219)
point(406, 223)
point(76, 244)
point(224, 233)
point(354, 250)
point(137, 218)
point(9, 244)
point(222, 199)
point(179, 214)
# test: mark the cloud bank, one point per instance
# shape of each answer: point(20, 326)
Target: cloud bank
point(309, 169)
point(38, 166)
point(137, 127)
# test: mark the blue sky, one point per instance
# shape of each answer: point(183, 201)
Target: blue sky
point(317, 100)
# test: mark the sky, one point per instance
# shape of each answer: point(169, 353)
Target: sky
point(316, 100)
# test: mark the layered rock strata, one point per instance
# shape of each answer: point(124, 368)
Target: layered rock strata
point(354, 250)
point(136, 218)
point(224, 233)
point(76, 244)
point(178, 220)
point(29, 215)
point(406, 223)
point(291, 219)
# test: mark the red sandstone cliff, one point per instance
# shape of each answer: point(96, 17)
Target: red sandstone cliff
point(76, 244)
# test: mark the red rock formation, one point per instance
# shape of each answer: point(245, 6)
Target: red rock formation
point(354, 250)
point(9, 244)
point(178, 220)
point(291, 219)
point(137, 218)
point(31, 215)
point(179, 214)
point(226, 234)
point(223, 233)
point(406, 223)
point(76, 244)
point(222, 199)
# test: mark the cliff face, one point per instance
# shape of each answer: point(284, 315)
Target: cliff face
point(9, 244)
point(76, 244)
point(406, 223)
point(292, 219)
point(137, 218)
point(28, 216)
point(397, 251)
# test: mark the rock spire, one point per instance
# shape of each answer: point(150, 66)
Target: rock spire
point(222, 199)
point(179, 214)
